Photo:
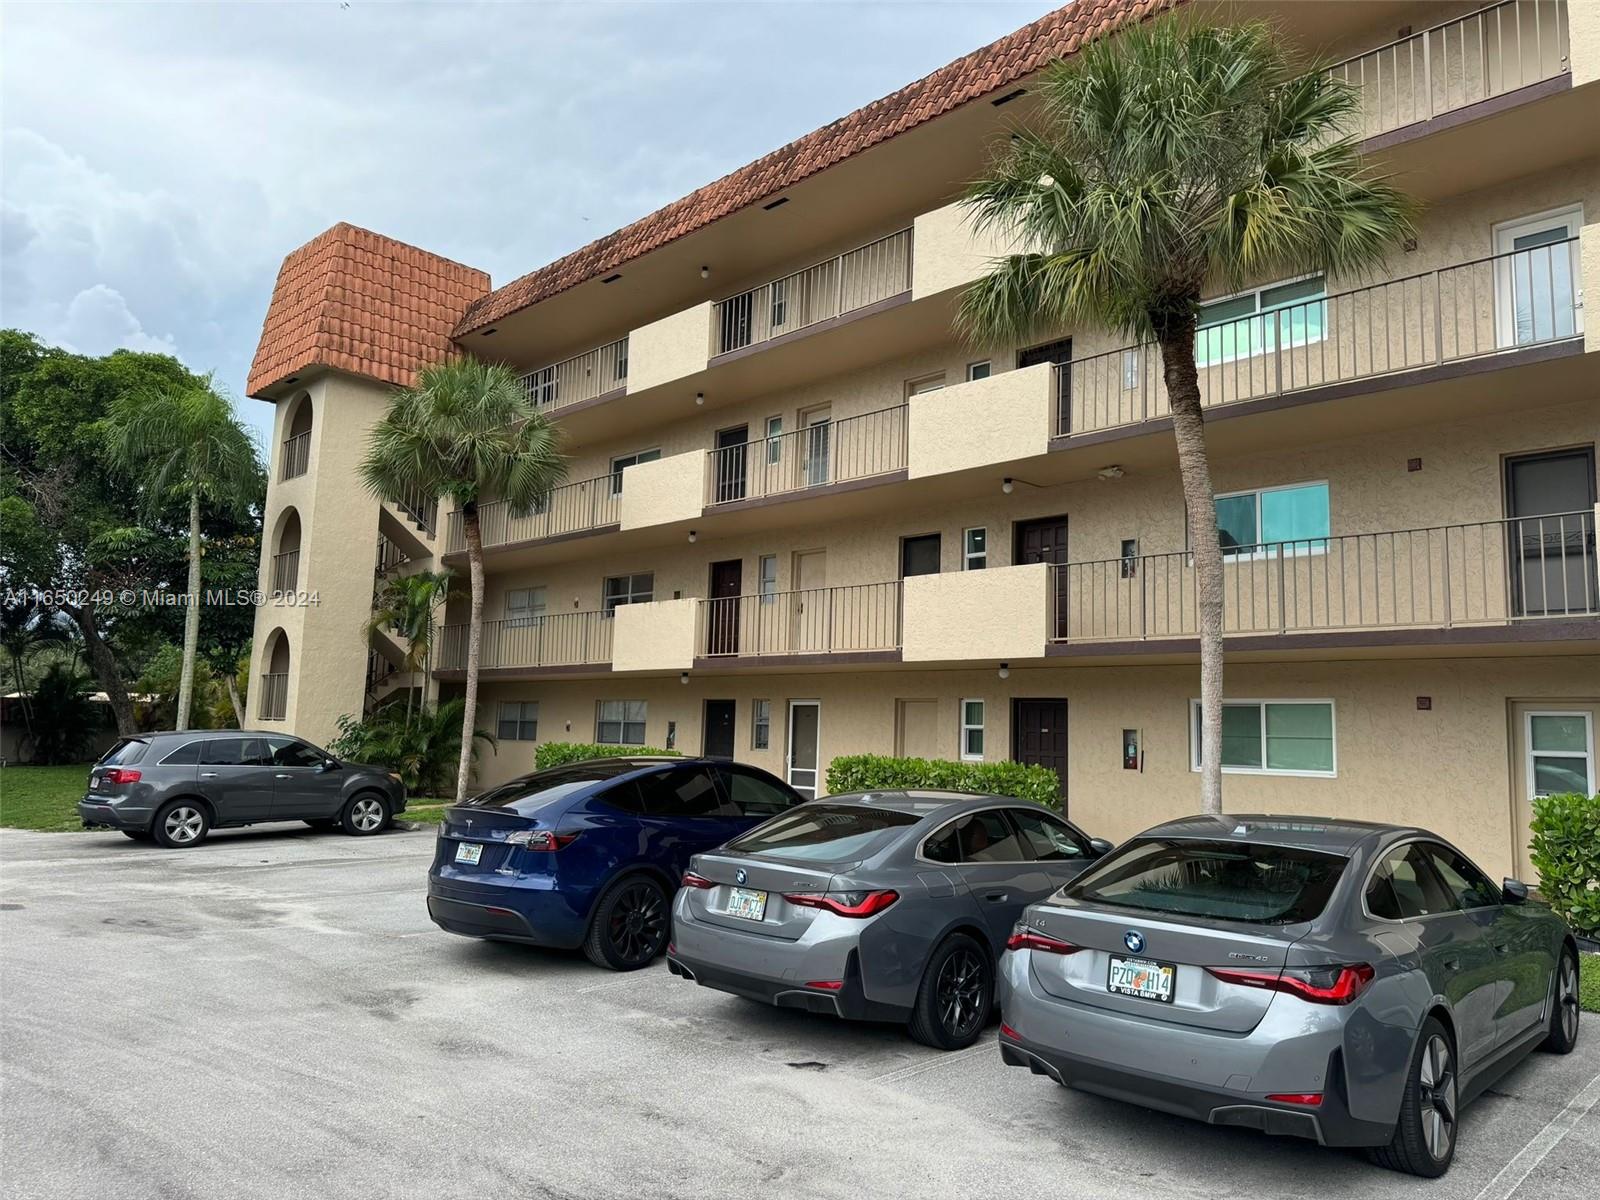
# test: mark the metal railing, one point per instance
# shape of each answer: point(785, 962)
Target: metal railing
point(389, 557)
point(556, 640)
point(828, 620)
point(1484, 54)
point(285, 571)
point(422, 511)
point(296, 458)
point(826, 452)
point(843, 284)
point(1504, 302)
point(274, 697)
point(1483, 573)
point(569, 508)
point(379, 671)
point(581, 377)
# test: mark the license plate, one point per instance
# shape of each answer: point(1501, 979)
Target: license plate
point(468, 852)
point(94, 782)
point(747, 903)
point(1142, 978)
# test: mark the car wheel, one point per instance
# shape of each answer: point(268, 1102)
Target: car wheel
point(181, 824)
point(364, 814)
point(956, 995)
point(1563, 1035)
point(321, 823)
point(138, 835)
point(630, 925)
point(1425, 1135)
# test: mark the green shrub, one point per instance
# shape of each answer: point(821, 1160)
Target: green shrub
point(423, 746)
point(1566, 853)
point(556, 754)
point(877, 772)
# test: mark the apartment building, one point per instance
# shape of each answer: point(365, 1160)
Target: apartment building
point(804, 519)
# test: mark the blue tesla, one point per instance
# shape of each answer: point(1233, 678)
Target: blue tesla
point(589, 854)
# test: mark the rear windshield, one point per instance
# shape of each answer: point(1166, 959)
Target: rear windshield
point(542, 787)
point(125, 753)
point(824, 833)
point(1228, 881)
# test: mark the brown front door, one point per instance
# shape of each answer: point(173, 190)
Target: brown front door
point(1039, 736)
point(727, 579)
point(1045, 541)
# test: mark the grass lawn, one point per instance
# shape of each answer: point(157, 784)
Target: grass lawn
point(42, 797)
point(1589, 982)
point(427, 810)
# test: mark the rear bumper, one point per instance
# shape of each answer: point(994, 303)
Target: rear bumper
point(505, 914)
point(97, 814)
point(849, 1001)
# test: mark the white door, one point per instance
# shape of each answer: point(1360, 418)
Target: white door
point(805, 728)
point(808, 602)
point(818, 435)
point(1537, 290)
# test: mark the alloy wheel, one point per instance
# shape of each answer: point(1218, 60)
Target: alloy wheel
point(959, 992)
point(184, 824)
point(1567, 997)
point(1436, 1096)
point(366, 814)
point(638, 920)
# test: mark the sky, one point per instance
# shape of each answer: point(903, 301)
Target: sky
point(159, 159)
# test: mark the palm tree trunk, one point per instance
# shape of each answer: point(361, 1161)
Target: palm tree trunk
point(469, 712)
point(235, 699)
point(191, 616)
point(1188, 429)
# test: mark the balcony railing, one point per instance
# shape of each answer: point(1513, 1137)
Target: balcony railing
point(830, 620)
point(274, 697)
point(296, 458)
point(1484, 54)
point(570, 508)
point(285, 571)
point(581, 377)
point(557, 640)
point(1485, 573)
point(379, 671)
point(1504, 302)
point(389, 557)
point(841, 285)
point(422, 511)
point(825, 452)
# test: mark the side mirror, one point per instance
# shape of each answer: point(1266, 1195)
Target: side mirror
point(1100, 846)
point(330, 764)
point(1514, 891)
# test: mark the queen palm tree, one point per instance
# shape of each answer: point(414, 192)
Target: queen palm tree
point(405, 608)
point(465, 430)
point(1169, 161)
point(185, 444)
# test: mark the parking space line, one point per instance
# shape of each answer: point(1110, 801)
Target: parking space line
point(1510, 1177)
point(918, 1068)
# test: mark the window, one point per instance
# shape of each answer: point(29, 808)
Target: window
point(1281, 520)
point(774, 440)
point(620, 723)
point(981, 837)
point(1048, 839)
point(125, 753)
point(1404, 886)
point(974, 549)
point(629, 589)
point(1537, 296)
point(979, 370)
point(524, 607)
point(1130, 369)
point(928, 383)
point(753, 795)
point(972, 730)
point(183, 756)
point(686, 793)
point(1130, 558)
point(286, 752)
point(1560, 753)
point(760, 724)
point(1272, 737)
point(236, 752)
point(1259, 322)
point(767, 578)
point(919, 555)
point(823, 832)
point(519, 721)
point(1468, 887)
point(628, 460)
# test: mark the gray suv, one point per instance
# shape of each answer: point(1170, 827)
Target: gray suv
point(175, 788)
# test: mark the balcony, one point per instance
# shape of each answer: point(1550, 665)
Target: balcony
point(846, 622)
point(285, 571)
point(572, 508)
point(296, 458)
point(821, 455)
point(560, 640)
point(1525, 573)
point(274, 696)
point(597, 374)
point(1463, 314)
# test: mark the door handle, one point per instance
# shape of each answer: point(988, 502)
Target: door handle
point(283, 775)
point(996, 897)
point(208, 774)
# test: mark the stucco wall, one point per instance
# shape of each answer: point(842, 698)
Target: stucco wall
point(674, 347)
point(974, 615)
point(950, 253)
point(1004, 418)
point(663, 491)
point(654, 637)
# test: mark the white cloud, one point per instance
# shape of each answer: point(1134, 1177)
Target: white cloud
point(97, 321)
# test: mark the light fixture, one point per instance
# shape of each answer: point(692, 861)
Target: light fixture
point(692, 536)
point(1007, 486)
point(705, 272)
point(683, 678)
point(699, 397)
point(1005, 670)
point(1111, 472)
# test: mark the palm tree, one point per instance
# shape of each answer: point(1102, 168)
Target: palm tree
point(26, 628)
point(465, 430)
point(1169, 161)
point(405, 608)
point(186, 443)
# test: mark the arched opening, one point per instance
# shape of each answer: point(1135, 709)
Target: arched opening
point(296, 459)
point(286, 553)
point(274, 702)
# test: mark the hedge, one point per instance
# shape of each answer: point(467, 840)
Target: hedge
point(555, 754)
point(878, 772)
point(1566, 853)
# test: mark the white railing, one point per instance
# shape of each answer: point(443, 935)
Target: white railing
point(829, 620)
point(823, 453)
point(585, 376)
point(557, 640)
point(569, 508)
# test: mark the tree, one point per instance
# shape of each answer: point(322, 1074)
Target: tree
point(186, 443)
point(1172, 160)
point(65, 717)
point(405, 608)
point(467, 431)
point(25, 629)
point(423, 750)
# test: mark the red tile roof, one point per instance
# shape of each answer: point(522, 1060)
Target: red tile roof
point(357, 301)
point(995, 66)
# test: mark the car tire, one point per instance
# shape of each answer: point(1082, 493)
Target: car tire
point(365, 814)
point(956, 996)
point(630, 925)
point(138, 835)
point(1563, 1035)
point(181, 824)
point(321, 824)
point(1424, 1140)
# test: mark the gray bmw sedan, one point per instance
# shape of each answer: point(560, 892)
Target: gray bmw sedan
point(890, 906)
point(1337, 980)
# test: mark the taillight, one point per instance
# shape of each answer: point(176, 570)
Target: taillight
point(540, 839)
point(1023, 938)
point(827, 985)
point(120, 775)
point(691, 880)
point(1337, 984)
point(846, 904)
point(1007, 1031)
point(1309, 1099)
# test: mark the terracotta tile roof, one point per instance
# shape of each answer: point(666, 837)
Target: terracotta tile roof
point(981, 73)
point(356, 301)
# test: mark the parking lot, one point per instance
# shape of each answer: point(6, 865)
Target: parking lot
point(272, 1014)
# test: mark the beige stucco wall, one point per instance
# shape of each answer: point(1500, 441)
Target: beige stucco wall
point(1001, 419)
point(654, 637)
point(950, 253)
point(674, 347)
point(663, 491)
point(1591, 279)
point(998, 613)
point(1583, 41)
